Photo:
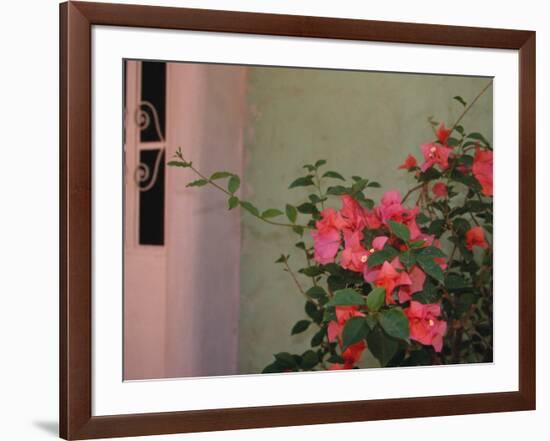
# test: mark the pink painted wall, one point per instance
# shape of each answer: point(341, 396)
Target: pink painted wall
point(192, 327)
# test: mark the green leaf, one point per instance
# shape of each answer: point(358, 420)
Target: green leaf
point(198, 183)
point(421, 218)
point(316, 292)
point(282, 259)
point(179, 164)
point(233, 202)
point(271, 212)
point(315, 199)
point(436, 227)
point(464, 302)
point(335, 358)
point(311, 271)
point(430, 267)
point(382, 346)
point(346, 297)
point(286, 360)
point(337, 190)
point(384, 255)
point(300, 326)
point(452, 142)
point(430, 251)
point(220, 175)
point(400, 230)
point(334, 175)
point(233, 184)
point(307, 208)
point(359, 186)
point(426, 297)
point(376, 299)
point(455, 282)
point(478, 137)
point(320, 163)
point(460, 100)
point(430, 175)
point(395, 323)
point(461, 225)
point(250, 208)
point(365, 202)
point(318, 337)
point(273, 368)
point(408, 259)
point(354, 331)
point(309, 360)
point(298, 230)
point(374, 184)
point(311, 309)
point(304, 181)
point(336, 282)
point(291, 213)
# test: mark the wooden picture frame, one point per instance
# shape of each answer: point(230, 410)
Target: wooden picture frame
point(76, 236)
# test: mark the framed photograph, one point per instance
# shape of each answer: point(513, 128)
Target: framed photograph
point(272, 220)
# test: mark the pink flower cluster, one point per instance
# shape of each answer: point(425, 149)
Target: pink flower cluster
point(345, 230)
point(439, 153)
point(340, 236)
point(425, 327)
point(346, 227)
point(352, 353)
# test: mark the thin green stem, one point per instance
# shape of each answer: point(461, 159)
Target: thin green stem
point(457, 122)
point(294, 278)
point(411, 191)
point(214, 184)
point(318, 185)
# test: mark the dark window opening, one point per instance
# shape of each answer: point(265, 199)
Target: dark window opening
point(151, 197)
point(153, 91)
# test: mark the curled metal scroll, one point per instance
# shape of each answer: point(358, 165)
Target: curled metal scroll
point(145, 179)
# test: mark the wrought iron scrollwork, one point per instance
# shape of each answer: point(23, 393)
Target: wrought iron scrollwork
point(144, 177)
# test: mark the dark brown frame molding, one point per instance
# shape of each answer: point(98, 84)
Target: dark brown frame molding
point(76, 21)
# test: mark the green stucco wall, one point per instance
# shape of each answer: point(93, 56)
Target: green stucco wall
point(362, 123)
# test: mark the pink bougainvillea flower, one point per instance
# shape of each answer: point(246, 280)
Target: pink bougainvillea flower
point(390, 208)
point(475, 237)
point(372, 220)
point(439, 190)
point(354, 256)
point(353, 354)
point(352, 215)
point(418, 277)
point(378, 243)
point(483, 170)
point(435, 154)
point(425, 325)
point(343, 314)
point(336, 367)
point(326, 237)
point(334, 330)
point(389, 278)
point(410, 162)
point(408, 217)
point(442, 134)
